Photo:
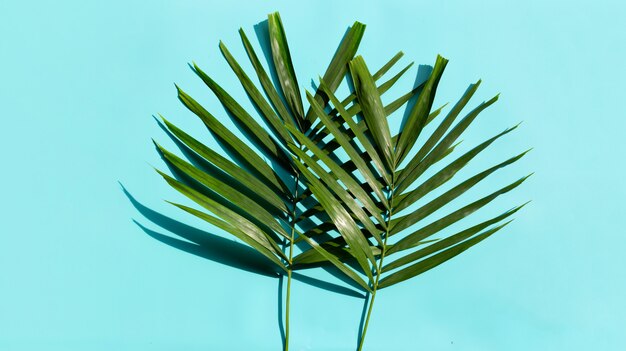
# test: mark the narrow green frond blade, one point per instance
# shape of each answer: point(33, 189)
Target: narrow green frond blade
point(449, 241)
point(446, 173)
point(255, 95)
point(225, 190)
point(338, 66)
point(318, 132)
point(349, 149)
point(284, 67)
point(233, 231)
point(224, 134)
point(435, 113)
point(267, 143)
point(443, 126)
point(438, 225)
point(387, 66)
point(320, 229)
point(372, 108)
point(408, 96)
point(435, 260)
point(344, 223)
point(312, 257)
point(382, 87)
point(333, 259)
point(420, 111)
point(341, 193)
point(339, 249)
point(421, 162)
point(364, 140)
point(399, 198)
point(231, 217)
point(399, 102)
point(338, 172)
point(266, 83)
point(352, 111)
point(401, 223)
point(246, 179)
point(389, 109)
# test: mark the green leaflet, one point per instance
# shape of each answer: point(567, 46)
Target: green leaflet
point(266, 83)
point(340, 192)
point(372, 108)
point(243, 150)
point(352, 153)
point(418, 166)
point(420, 111)
point(363, 139)
point(446, 173)
point(243, 177)
point(284, 67)
point(268, 144)
point(404, 222)
point(339, 173)
point(338, 67)
point(412, 239)
point(250, 229)
point(449, 241)
point(442, 127)
point(338, 247)
point(231, 194)
point(235, 232)
point(342, 220)
point(335, 261)
point(318, 130)
point(255, 95)
point(435, 260)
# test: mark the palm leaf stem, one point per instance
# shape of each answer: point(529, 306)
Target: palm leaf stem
point(294, 219)
point(391, 188)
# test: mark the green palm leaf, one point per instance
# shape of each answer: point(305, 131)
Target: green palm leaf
point(372, 108)
point(370, 173)
point(284, 67)
point(244, 194)
point(333, 178)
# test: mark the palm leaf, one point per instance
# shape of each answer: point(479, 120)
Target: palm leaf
point(419, 113)
point(244, 193)
point(373, 163)
point(372, 108)
point(284, 67)
point(339, 162)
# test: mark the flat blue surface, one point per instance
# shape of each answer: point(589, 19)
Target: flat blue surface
point(79, 83)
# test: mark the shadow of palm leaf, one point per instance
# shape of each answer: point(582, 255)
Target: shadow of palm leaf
point(221, 250)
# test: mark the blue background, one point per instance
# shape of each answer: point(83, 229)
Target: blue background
point(80, 81)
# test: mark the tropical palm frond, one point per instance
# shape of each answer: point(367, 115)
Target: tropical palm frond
point(249, 185)
point(323, 180)
point(256, 193)
point(368, 197)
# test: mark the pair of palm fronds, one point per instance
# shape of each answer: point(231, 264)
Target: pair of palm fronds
point(330, 185)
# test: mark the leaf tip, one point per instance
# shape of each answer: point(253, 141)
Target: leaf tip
point(359, 25)
point(159, 171)
point(164, 119)
point(525, 203)
point(507, 223)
